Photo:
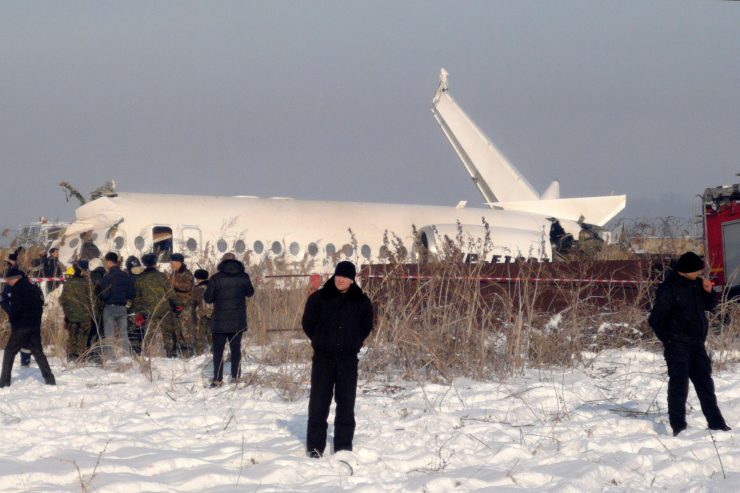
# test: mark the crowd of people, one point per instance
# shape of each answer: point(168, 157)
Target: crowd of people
point(107, 307)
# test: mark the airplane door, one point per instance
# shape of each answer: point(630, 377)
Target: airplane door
point(191, 240)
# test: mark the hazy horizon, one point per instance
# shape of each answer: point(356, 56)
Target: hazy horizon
point(331, 101)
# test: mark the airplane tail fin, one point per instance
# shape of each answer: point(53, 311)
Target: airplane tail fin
point(496, 178)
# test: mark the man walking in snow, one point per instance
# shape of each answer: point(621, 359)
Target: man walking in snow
point(337, 319)
point(680, 322)
point(26, 307)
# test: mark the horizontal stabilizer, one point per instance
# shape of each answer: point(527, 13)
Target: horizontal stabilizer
point(595, 210)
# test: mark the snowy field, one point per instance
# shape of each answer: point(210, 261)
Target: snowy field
point(598, 428)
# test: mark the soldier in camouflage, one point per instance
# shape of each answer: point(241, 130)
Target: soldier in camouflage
point(79, 303)
point(181, 336)
point(201, 313)
point(151, 306)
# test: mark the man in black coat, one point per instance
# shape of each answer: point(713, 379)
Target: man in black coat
point(228, 290)
point(680, 322)
point(26, 308)
point(52, 268)
point(12, 262)
point(337, 319)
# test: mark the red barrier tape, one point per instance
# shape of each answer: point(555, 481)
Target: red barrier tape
point(507, 279)
point(36, 279)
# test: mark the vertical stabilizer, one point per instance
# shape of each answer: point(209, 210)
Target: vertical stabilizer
point(496, 178)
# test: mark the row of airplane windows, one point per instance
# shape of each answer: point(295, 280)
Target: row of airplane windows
point(258, 247)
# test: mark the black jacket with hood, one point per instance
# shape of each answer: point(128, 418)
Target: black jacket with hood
point(679, 312)
point(26, 305)
point(228, 290)
point(338, 323)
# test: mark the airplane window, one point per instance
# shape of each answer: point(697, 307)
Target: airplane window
point(366, 252)
point(191, 244)
point(402, 253)
point(330, 249)
point(313, 249)
point(139, 243)
point(118, 242)
point(276, 247)
point(221, 245)
point(258, 247)
point(347, 250)
point(295, 248)
point(383, 253)
point(240, 246)
point(74, 242)
point(94, 237)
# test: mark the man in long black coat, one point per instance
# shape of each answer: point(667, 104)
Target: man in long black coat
point(680, 322)
point(26, 308)
point(228, 290)
point(337, 319)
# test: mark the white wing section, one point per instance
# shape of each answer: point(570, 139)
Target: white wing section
point(595, 210)
point(496, 178)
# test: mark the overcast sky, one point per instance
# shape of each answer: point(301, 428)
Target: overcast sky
point(331, 100)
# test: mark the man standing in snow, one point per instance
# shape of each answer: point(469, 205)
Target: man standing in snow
point(228, 290)
point(116, 290)
point(26, 307)
point(680, 322)
point(337, 319)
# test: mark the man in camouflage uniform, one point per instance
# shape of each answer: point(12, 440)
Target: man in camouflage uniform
point(180, 336)
point(201, 313)
point(152, 303)
point(78, 300)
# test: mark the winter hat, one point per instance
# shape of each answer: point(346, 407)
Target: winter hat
point(13, 256)
point(690, 262)
point(346, 269)
point(200, 274)
point(13, 273)
point(111, 257)
point(84, 264)
point(177, 257)
point(149, 260)
point(132, 262)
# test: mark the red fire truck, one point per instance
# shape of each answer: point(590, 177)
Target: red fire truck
point(721, 219)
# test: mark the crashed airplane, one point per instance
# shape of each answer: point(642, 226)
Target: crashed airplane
point(518, 223)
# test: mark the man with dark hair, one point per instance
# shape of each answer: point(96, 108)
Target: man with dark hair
point(228, 290)
point(116, 290)
point(26, 308)
point(337, 319)
point(52, 268)
point(680, 322)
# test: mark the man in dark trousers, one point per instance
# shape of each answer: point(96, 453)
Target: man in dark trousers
point(12, 262)
point(337, 319)
point(26, 307)
point(116, 289)
point(680, 322)
point(228, 290)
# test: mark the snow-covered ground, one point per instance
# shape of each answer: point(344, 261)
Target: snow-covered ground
point(601, 427)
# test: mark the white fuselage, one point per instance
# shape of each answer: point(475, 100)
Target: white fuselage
point(324, 232)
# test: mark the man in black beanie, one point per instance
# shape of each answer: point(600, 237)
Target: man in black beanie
point(680, 322)
point(337, 319)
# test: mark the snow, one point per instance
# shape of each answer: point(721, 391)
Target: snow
point(599, 427)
